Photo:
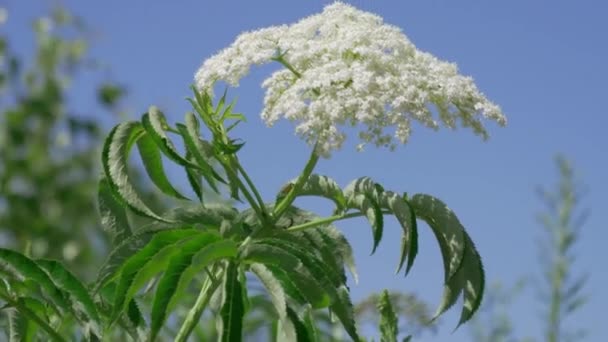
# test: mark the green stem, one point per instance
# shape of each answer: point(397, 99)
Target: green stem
point(251, 186)
point(194, 315)
point(293, 192)
point(327, 220)
point(32, 315)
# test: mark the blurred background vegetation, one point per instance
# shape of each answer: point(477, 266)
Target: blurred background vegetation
point(49, 170)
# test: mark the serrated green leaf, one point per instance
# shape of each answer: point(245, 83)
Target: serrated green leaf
point(407, 219)
point(200, 150)
point(152, 160)
point(297, 280)
point(171, 277)
point(305, 325)
point(469, 275)
point(114, 160)
point(364, 185)
point(331, 283)
point(144, 264)
point(446, 227)
point(134, 314)
point(78, 294)
point(474, 281)
point(373, 213)
point(114, 219)
point(317, 185)
point(389, 327)
point(222, 249)
point(277, 296)
point(122, 252)
point(155, 124)
point(28, 269)
point(194, 178)
point(232, 312)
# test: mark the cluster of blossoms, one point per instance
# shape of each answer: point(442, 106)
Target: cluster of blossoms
point(346, 67)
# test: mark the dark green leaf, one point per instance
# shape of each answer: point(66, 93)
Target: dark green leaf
point(78, 294)
point(446, 227)
point(28, 269)
point(232, 311)
point(407, 218)
point(297, 280)
point(152, 160)
point(305, 325)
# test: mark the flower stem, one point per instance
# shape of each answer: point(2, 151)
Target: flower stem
point(194, 315)
point(293, 192)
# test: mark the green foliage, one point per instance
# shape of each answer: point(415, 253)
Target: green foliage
point(48, 150)
point(216, 250)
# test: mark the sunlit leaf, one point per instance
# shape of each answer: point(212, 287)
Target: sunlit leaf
point(114, 161)
point(317, 185)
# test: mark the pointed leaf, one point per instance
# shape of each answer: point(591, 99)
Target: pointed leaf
point(407, 218)
point(277, 296)
point(305, 325)
point(446, 227)
point(297, 280)
point(373, 212)
point(232, 311)
point(113, 215)
point(152, 160)
point(78, 294)
point(171, 277)
point(114, 161)
point(155, 124)
point(136, 265)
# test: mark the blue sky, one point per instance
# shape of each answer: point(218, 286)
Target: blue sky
point(543, 62)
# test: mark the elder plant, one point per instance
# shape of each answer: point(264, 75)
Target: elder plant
point(340, 68)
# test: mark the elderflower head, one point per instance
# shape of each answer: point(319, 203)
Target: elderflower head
point(345, 67)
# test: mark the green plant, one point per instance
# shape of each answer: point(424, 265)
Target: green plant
point(48, 163)
point(299, 257)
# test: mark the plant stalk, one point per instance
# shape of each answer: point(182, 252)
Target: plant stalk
point(194, 315)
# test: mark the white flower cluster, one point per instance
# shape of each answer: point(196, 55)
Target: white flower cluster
point(346, 67)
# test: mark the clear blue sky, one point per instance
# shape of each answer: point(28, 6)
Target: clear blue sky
point(544, 62)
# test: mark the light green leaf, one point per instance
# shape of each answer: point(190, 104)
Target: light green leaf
point(143, 265)
point(389, 323)
point(407, 218)
point(152, 160)
point(222, 249)
point(28, 269)
point(114, 160)
point(155, 124)
point(232, 312)
point(113, 215)
point(277, 296)
point(170, 280)
point(78, 294)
